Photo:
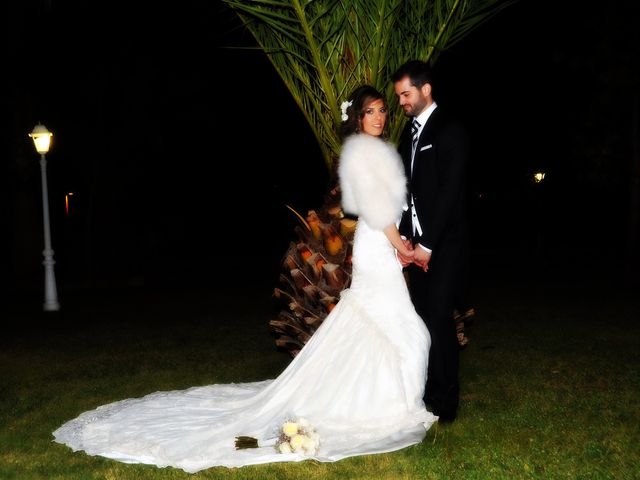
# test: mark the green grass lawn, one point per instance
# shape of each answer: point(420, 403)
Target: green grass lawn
point(549, 382)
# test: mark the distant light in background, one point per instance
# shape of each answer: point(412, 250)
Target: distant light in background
point(66, 203)
point(42, 141)
point(538, 178)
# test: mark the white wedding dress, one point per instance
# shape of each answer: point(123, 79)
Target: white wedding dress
point(359, 380)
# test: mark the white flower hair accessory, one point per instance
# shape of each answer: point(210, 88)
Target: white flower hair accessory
point(344, 107)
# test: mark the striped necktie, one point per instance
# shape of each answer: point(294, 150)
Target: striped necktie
point(415, 125)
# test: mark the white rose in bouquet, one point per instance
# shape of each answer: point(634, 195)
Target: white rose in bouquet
point(309, 445)
point(296, 443)
point(290, 428)
point(284, 447)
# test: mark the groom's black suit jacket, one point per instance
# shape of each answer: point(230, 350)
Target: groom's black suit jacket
point(437, 184)
point(437, 187)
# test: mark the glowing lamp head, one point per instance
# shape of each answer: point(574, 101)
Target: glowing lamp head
point(538, 177)
point(41, 138)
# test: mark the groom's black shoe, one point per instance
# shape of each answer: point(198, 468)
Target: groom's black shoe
point(445, 416)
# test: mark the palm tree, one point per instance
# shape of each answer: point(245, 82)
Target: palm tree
point(322, 50)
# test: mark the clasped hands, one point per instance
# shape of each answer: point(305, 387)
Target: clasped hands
point(419, 256)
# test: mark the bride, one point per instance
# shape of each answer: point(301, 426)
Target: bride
point(359, 380)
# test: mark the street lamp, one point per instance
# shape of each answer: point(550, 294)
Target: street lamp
point(538, 177)
point(42, 139)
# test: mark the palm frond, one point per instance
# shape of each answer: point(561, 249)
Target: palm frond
point(323, 49)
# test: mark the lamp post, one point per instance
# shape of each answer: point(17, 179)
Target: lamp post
point(42, 139)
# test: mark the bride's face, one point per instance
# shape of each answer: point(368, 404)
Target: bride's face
point(375, 117)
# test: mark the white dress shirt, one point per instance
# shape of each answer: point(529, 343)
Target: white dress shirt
point(422, 120)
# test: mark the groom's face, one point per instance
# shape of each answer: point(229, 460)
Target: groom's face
point(412, 99)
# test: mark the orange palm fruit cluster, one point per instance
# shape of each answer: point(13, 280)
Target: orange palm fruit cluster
point(333, 242)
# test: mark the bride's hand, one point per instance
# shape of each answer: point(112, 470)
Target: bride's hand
point(407, 244)
point(407, 254)
point(405, 260)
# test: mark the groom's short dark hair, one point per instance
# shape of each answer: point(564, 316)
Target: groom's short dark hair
point(419, 73)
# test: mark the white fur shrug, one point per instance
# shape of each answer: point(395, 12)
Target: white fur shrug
point(372, 180)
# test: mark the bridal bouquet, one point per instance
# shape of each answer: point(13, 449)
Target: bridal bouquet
point(298, 436)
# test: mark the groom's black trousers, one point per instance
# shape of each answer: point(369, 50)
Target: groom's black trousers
point(433, 295)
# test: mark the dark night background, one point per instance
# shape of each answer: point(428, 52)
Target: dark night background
point(181, 155)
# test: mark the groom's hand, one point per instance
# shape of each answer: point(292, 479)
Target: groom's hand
point(422, 258)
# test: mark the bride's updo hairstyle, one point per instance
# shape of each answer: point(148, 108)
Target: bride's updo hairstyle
point(356, 105)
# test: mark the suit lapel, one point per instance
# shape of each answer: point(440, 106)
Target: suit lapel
point(426, 134)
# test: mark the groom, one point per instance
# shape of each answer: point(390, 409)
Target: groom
point(434, 149)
